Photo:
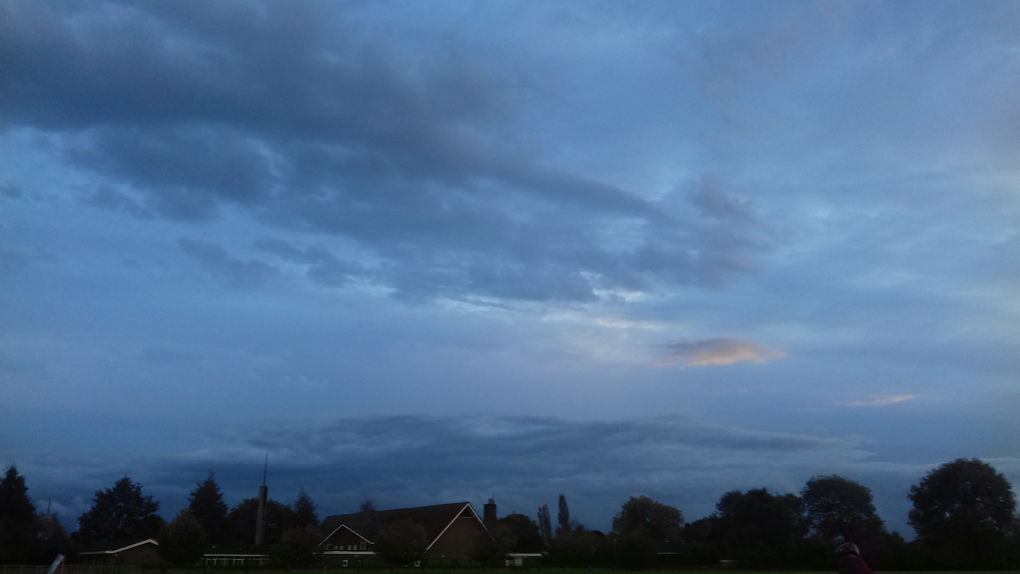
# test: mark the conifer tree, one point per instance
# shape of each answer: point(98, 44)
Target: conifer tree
point(18, 522)
point(207, 507)
point(304, 511)
point(120, 513)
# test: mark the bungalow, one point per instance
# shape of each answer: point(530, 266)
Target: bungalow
point(146, 553)
point(235, 555)
point(451, 531)
point(138, 553)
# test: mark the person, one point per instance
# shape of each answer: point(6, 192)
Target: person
point(850, 561)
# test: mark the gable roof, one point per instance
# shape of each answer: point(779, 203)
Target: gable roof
point(115, 547)
point(435, 519)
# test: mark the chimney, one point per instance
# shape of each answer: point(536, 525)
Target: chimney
point(489, 513)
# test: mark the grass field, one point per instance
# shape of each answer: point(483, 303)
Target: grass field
point(549, 570)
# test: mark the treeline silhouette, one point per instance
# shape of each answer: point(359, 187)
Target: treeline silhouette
point(964, 514)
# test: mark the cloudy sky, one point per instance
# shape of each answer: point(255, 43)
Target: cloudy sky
point(435, 251)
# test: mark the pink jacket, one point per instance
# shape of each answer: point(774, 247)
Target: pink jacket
point(851, 564)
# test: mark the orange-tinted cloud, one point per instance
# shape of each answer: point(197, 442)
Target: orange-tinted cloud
point(718, 351)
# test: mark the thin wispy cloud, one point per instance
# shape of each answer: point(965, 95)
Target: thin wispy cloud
point(718, 351)
point(878, 400)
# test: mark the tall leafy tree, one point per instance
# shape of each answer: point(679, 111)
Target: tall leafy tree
point(526, 534)
point(401, 543)
point(661, 523)
point(304, 511)
point(207, 507)
point(242, 518)
point(563, 517)
point(18, 521)
point(701, 543)
point(182, 541)
point(842, 509)
point(120, 513)
point(298, 547)
point(577, 547)
point(491, 547)
point(761, 528)
point(545, 523)
point(963, 513)
point(635, 550)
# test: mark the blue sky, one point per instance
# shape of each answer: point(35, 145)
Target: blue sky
point(425, 252)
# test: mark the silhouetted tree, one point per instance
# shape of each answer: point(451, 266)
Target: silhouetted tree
point(242, 518)
point(635, 550)
point(760, 528)
point(577, 547)
point(525, 532)
point(52, 536)
point(544, 523)
point(207, 506)
point(401, 542)
point(298, 547)
point(838, 508)
point(367, 506)
point(19, 542)
point(120, 513)
point(563, 517)
point(701, 541)
point(661, 523)
point(304, 511)
point(490, 548)
point(182, 541)
point(963, 513)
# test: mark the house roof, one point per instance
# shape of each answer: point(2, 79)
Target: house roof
point(116, 547)
point(434, 519)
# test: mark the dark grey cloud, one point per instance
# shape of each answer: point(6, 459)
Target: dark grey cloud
point(420, 458)
point(711, 197)
point(323, 267)
point(107, 197)
point(216, 261)
point(313, 124)
point(11, 191)
point(523, 461)
point(415, 459)
point(189, 172)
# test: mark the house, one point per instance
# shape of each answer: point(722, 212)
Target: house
point(235, 555)
point(138, 553)
point(146, 553)
point(451, 531)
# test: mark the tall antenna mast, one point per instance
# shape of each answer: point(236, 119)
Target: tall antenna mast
point(260, 517)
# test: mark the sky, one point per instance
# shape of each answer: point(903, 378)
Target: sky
point(425, 252)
